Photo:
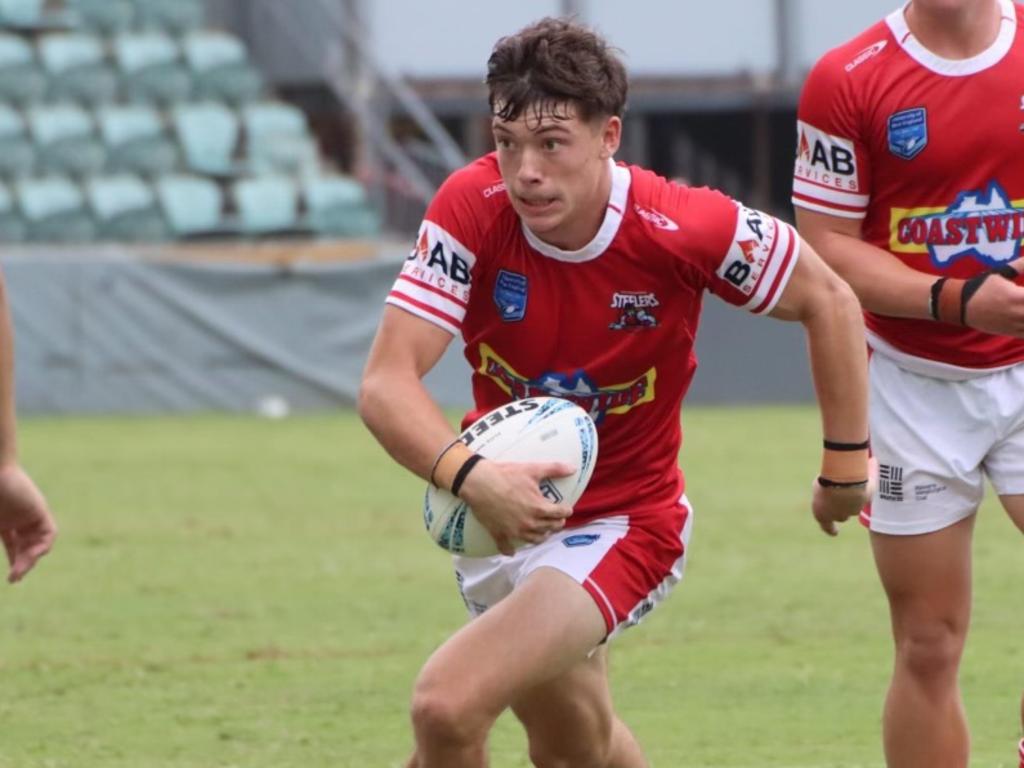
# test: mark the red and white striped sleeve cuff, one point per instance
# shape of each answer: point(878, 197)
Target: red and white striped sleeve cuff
point(835, 202)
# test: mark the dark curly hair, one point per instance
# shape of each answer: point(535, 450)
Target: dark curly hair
point(552, 66)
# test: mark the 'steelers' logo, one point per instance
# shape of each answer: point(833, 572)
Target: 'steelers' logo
point(984, 224)
point(577, 387)
point(634, 308)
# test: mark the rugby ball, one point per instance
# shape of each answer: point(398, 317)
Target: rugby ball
point(536, 429)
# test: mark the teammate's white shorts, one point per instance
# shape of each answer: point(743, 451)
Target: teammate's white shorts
point(936, 439)
point(627, 569)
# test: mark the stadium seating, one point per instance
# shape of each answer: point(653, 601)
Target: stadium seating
point(208, 132)
point(277, 139)
point(21, 80)
point(337, 206)
point(135, 139)
point(174, 16)
point(12, 227)
point(150, 67)
point(124, 208)
point(53, 209)
point(65, 139)
point(267, 205)
point(17, 156)
point(220, 67)
point(128, 120)
point(21, 13)
point(104, 16)
point(191, 204)
point(76, 68)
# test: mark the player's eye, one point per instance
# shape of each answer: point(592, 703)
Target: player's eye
point(503, 143)
point(552, 144)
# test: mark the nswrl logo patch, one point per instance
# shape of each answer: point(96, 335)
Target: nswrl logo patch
point(510, 295)
point(908, 132)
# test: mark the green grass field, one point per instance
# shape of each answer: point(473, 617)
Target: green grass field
point(239, 592)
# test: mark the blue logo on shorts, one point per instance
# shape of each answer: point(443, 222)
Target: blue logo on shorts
point(510, 293)
point(581, 539)
point(908, 132)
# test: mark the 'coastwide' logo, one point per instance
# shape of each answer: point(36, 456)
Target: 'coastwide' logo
point(984, 224)
point(577, 387)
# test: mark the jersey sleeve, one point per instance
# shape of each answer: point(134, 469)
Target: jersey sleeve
point(831, 173)
point(747, 256)
point(437, 277)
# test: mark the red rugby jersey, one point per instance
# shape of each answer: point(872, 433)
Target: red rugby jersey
point(610, 326)
point(929, 152)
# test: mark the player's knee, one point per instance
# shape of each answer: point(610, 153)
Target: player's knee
point(444, 714)
point(590, 751)
point(931, 651)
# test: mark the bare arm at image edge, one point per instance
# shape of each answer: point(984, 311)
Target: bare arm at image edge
point(26, 524)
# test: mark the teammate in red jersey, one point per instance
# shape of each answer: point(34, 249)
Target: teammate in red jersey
point(569, 275)
point(909, 180)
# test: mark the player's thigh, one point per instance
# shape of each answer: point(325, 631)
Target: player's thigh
point(544, 627)
point(927, 579)
point(930, 438)
point(1014, 506)
point(571, 712)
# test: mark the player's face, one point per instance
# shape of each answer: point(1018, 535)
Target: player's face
point(555, 168)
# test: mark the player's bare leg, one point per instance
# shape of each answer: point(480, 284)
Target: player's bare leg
point(1014, 506)
point(571, 724)
point(545, 627)
point(928, 581)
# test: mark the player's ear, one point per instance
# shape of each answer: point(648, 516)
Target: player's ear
point(611, 136)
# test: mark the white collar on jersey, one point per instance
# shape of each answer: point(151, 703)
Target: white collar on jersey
point(621, 179)
point(991, 56)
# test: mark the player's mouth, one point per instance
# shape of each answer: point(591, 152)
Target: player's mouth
point(537, 205)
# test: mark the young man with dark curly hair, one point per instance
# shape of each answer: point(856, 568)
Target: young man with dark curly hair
point(570, 275)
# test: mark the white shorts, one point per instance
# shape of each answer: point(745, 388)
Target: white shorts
point(936, 440)
point(627, 569)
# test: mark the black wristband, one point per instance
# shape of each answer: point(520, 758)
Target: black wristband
point(832, 445)
point(972, 285)
point(464, 470)
point(933, 303)
point(824, 482)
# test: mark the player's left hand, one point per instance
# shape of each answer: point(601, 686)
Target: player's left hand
point(26, 525)
point(836, 505)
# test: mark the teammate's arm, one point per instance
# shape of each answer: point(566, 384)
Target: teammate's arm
point(405, 419)
point(886, 286)
point(26, 525)
point(828, 309)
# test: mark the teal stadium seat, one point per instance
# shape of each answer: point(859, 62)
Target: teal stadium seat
point(25, 14)
point(177, 16)
point(220, 67)
point(76, 67)
point(21, 79)
point(267, 205)
point(105, 16)
point(53, 209)
point(12, 226)
point(208, 133)
point(135, 139)
point(277, 138)
point(17, 156)
point(150, 67)
point(125, 209)
point(65, 139)
point(337, 206)
point(190, 204)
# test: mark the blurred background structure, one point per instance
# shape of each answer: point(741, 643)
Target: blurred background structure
point(202, 204)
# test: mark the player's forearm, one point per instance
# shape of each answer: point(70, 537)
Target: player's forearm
point(8, 441)
point(838, 357)
point(401, 414)
point(883, 283)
